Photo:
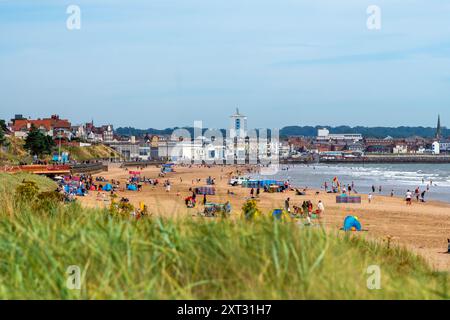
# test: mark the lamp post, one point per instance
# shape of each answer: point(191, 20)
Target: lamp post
point(59, 147)
point(167, 150)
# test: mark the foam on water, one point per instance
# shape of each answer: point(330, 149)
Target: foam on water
point(397, 177)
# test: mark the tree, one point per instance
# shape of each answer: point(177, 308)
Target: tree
point(38, 143)
point(3, 141)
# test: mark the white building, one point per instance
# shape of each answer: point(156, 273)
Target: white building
point(241, 145)
point(436, 148)
point(94, 137)
point(79, 131)
point(108, 133)
point(181, 151)
point(400, 149)
point(444, 146)
point(324, 135)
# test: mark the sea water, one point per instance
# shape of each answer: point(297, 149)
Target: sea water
point(398, 178)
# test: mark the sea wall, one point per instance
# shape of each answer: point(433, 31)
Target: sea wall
point(88, 168)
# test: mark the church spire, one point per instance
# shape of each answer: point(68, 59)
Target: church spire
point(438, 129)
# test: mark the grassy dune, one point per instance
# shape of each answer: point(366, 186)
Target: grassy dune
point(15, 153)
point(92, 152)
point(9, 182)
point(151, 258)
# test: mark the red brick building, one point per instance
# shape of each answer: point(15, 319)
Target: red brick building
point(51, 126)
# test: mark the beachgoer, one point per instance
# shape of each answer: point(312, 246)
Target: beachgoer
point(305, 208)
point(286, 205)
point(423, 196)
point(417, 194)
point(320, 207)
point(408, 197)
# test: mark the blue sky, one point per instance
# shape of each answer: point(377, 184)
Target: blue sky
point(163, 63)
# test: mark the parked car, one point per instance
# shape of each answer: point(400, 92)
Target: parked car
point(237, 181)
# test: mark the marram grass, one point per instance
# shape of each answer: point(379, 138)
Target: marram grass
point(152, 258)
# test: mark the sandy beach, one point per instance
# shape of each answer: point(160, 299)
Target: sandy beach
point(422, 227)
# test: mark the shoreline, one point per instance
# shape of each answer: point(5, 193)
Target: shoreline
point(371, 158)
point(396, 178)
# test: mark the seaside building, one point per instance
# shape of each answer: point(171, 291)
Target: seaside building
point(400, 148)
point(444, 146)
point(435, 148)
point(53, 126)
point(181, 151)
point(104, 133)
point(134, 149)
point(79, 131)
point(91, 133)
point(324, 135)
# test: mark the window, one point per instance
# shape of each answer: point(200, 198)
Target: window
point(238, 124)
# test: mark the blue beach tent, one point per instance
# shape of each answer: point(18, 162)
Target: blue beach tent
point(107, 187)
point(351, 222)
point(168, 167)
point(277, 214)
point(132, 187)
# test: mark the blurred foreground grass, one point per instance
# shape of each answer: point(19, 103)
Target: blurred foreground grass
point(152, 258)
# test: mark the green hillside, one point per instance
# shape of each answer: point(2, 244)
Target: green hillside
point(14, 152)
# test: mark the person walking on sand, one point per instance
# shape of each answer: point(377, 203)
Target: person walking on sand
point(204, 199)
point(252, 192)
point(310, 207)
point(408, 198)
point(257, 192)
point(392, 193)
point(320, 207)
point(373, 189)
point(370, 197)
point(423, 196)
point(417, 194)
point(286, 205)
